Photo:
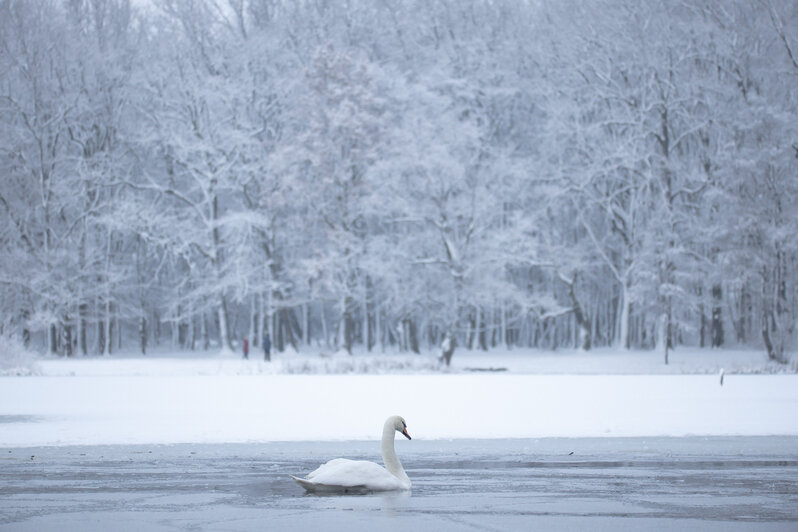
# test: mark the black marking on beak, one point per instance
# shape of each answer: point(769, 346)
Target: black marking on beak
point(404, 431)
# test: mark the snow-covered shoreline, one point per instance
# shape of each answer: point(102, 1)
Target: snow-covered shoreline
point(86, 410)
point(602, 361)
point(172, 398)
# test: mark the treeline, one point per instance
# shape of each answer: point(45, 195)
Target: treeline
point(370, 174)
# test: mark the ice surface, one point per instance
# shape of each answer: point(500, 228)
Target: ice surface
point(737, 483)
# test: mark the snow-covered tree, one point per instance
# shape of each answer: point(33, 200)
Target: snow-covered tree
point(348, 173)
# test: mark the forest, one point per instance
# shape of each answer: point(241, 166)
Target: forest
point(392, 175)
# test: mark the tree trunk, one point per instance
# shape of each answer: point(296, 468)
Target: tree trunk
point(204, 332)
point(768, 330)
point(702, 319)
point(182, 328)
point(717, 316)
point(25, 329)
point(109, 336)
point(101, 337)
point(413, 330)
point(773, 334)
point(253, 318)
point(225, 340)
point(260, 326)
point(67, 334)
point(341, 336)
point(191, 318)
point(290, 325)
point(83, 310)
point(582, 323)
point(224, 334)
point(474, 336)
point(305, 324)
point(324, 330)
point(156, 319)
point(364, 306)
point(52, 339)
point(623, 320)
point(143, 334)
point(503, 324)
point(347, 325)
point(380, 334)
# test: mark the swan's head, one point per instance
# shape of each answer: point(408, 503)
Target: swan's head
point(399, 425)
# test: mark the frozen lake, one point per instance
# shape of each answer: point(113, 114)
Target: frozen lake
point(718, 483)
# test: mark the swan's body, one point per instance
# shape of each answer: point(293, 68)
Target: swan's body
point(352, 476)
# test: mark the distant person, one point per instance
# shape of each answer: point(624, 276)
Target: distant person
point(447, 348)
point(246, 347)
point(267, 347)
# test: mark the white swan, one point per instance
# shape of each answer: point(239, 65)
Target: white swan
point(351, 476)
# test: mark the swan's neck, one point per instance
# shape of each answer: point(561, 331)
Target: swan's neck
point(392, 463)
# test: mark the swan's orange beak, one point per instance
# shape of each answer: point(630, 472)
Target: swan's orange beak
point(404, 431)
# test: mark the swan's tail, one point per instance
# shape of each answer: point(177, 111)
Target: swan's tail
point(307, 484)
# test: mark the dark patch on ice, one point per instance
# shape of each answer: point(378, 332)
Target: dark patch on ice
point(20, 419)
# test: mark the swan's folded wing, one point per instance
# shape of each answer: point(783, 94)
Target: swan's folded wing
point(330, 468)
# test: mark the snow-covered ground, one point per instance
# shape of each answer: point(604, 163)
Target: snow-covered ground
point(171, 399)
